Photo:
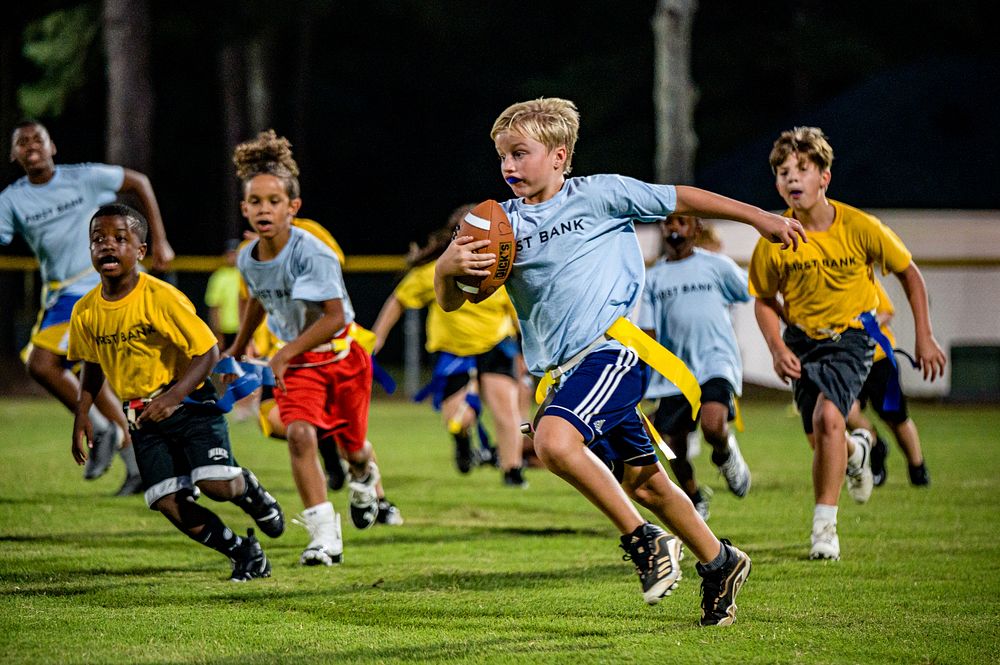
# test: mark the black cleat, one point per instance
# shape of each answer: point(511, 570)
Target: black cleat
point(249, 560)
point(362, 498)
point(720, 587)
point(258, 503)
point(656, 556)
point(464, 458)
point(131, 486)
point(99, 458)
point(388, 513)
point(515, 478)
point(919, 475)
point(879, 452)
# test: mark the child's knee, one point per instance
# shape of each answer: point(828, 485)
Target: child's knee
point(220, 490)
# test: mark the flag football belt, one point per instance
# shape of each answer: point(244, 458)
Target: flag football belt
point(893, 391)
point(650, 352)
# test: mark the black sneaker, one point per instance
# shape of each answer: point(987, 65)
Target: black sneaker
point(131, 486)
point(656, 556)
point(336, 467)
point(463, 454)
point(487, 456)
point(249, 560)
point(99, 458)
point(919, 475)
point(261, 506)
point(515, 478)
point(388, 513)
point(879, 452)
point(720, 587)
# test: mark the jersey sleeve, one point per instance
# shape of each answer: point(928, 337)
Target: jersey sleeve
point(105, 177)
point(891, 252)
point(179, 323)
point(641, 201)
point(6, 221)
point(733, 280)
point(416, 291)
point(763, 274)
point(81, 344)
point(318, 276)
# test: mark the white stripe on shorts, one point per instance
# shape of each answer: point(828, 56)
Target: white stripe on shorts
point(606, 384)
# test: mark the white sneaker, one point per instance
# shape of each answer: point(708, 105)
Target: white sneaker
point(825, 544)
point(860, 480)
point(325, 546)
point(735, 470)
point(363, 498)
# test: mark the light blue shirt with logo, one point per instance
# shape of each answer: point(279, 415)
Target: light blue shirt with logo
point(578, 266)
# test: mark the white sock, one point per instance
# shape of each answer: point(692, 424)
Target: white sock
point(321, 512)
point(824, 513)
point(97, 419)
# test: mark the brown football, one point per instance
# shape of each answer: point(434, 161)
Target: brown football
point(488, 221)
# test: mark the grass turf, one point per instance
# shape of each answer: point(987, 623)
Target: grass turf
point(484, 573)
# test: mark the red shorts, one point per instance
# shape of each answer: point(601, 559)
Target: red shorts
point(333, 396)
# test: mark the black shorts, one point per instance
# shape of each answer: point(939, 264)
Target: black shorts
point(178, 452)
point(673, 415)
point(874, 391)
point(501, 359)
point(836, 368)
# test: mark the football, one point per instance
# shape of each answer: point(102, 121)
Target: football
point(488, 221)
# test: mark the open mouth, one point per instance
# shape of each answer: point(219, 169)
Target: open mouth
point(108, 261)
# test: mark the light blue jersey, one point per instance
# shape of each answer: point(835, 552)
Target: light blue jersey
point(687, 303)
point(53, 219)
point(578, 266)
point(293, 284)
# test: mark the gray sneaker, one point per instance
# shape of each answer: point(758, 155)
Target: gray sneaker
point(735, 470)
point(860, 480)
point(106, 442)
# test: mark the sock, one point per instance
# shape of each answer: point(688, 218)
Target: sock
point(128, 457)
point(319, 513)
point(97, 419)
point(824, 513)
point(217, 535)
point(718, 562)
point(720, 457)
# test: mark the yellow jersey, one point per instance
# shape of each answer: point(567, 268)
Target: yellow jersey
point(830, 280)
point(143, 341)
point(468, 331)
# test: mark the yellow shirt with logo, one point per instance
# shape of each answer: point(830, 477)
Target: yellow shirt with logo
point(468, 331)
point(830, 280)
point(143, 341)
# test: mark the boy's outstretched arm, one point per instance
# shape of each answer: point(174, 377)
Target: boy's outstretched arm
point(775, 228)
point(163, 406)
point(769, 315)
point(138, 184)
point(91, 382)
point(928, 351)
point(460, 258)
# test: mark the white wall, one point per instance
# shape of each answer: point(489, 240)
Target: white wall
point(964, 298)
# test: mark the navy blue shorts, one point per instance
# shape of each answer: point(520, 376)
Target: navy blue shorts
point(599, 398)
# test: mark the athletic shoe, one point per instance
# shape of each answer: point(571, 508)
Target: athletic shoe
point(464, 459)
point(249, 560)
point(515, 478)
point(919, 475)
point(261, 506)
point(363, 499)
point(879, 452)
point(326, 546)
point(487, 456)
point(131, 486)
point(719, 588)
point(825, 543)
point(388, 513)
point(106, 442)
point(735, 470)
point(656, 556)
point(336, 467)
point(859, 478)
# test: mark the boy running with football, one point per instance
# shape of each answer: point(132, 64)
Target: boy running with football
point(568, 288)
point(144, 335)
point(827, 291)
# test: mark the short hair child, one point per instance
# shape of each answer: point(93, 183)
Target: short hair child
point(828, 298)
point(145, 337)
point(569, 288)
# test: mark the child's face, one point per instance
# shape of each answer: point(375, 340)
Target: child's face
point(532, 170)
point(800, 182)
point(32, 148)
point(114, 248)
point(267, 207)
point(680, 232)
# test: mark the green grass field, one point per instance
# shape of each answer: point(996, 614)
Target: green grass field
point(481, 573)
